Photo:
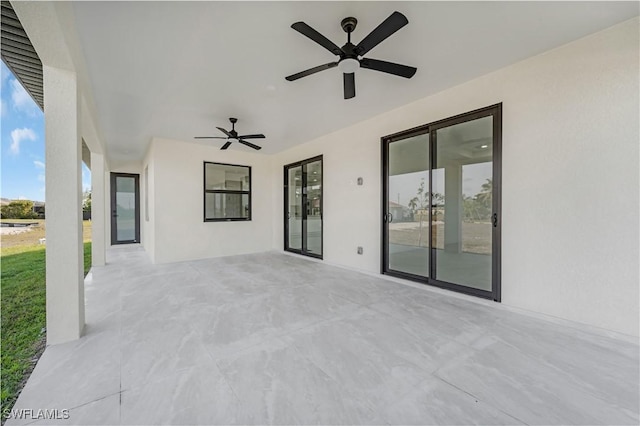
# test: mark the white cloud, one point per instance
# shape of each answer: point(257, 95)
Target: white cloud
point(4, 72)
point(22, 197)
point(21, 99)
point(19, 135)
point(40, 165)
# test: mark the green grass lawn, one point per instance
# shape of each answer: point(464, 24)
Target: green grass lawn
point(23, 314)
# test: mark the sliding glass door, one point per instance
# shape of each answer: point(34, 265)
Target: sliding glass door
point(441, 189)
point(303, 207)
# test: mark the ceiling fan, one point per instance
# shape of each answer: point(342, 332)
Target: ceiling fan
point(232, 136)
point(351, 56)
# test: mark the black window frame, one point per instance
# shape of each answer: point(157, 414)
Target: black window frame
point(224, 191)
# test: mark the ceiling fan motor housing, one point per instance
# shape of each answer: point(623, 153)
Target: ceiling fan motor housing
point(349, 24)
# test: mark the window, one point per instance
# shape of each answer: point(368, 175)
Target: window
point(227, 192)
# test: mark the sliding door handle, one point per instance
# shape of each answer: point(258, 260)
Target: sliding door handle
point(390, 218)
point(495, 220)
point(384, 218)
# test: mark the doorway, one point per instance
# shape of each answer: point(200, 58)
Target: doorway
point(303, 207)
point(125, 208)
point(441, 203)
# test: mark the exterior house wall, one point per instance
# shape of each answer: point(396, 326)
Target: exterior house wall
point(147, 203)
point(570, 178)
point(178, 208)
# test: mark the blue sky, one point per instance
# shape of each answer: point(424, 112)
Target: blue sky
point(22, 151)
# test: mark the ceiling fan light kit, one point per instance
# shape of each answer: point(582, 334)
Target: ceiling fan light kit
point(351, 56)
point(349, 65)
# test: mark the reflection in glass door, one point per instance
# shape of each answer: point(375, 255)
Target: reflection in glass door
point(407, 214)
point(303, 207)
point(463, 175)
point(294, 206)
point(313, 207)
point(125, 208)
point(441, 189)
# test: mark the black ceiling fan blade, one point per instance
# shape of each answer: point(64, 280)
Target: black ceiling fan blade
point(311, 71)
point(389, 26)
point(349, 85)
point(258, 136)
point(209, 137)
point(388, 67)
point(226, 145)
point(306, 30)
point(249, 144)
point(224, 131)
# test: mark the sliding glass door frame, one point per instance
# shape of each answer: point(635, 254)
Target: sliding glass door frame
point(386, 217)
point(114, 208)
point(303, 250)
point(496, 112)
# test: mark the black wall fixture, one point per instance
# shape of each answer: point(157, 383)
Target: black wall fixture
point(351, 56)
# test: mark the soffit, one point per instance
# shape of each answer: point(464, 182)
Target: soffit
point(19, 55)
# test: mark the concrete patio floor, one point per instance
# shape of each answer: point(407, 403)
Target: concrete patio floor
point(277, 339)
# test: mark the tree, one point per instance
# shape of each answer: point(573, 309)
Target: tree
point(421, 203)
point(486, 190)
point(470, 208)
point(19, 209)
point(86, 201)
point(413, 204)
point(484, 199)
point(479, 207)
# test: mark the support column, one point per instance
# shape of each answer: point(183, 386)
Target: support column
point(64, 263)
point(453, 208)
point(98, 243)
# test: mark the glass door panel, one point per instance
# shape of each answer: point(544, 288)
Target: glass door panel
point(463, 207)
point(407, 216)
point(294, 206)
point(303, 204)
point(125, 206)
point(313, 191)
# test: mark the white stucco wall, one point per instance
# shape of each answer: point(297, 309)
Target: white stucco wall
point(570, 178)
point(180, 231)
point(147, 201)
point(570, 183)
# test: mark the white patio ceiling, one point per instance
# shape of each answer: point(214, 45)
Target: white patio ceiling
point(177, 69)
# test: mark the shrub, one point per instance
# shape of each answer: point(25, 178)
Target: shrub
point(19, 209)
